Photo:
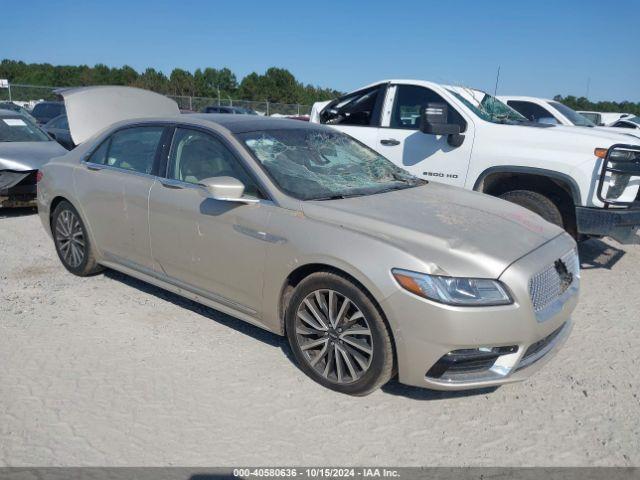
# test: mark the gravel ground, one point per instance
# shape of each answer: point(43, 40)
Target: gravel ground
point(110, 371)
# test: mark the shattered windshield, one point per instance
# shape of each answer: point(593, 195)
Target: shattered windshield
point(488, 107)
point(20, 129)
point(311, 164)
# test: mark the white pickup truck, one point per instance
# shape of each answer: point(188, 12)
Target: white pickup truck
point(553, 112)
point(586, 181)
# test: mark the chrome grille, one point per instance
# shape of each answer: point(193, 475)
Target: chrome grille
point(546, 285)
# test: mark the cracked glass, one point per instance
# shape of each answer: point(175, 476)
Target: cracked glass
point(311, 164)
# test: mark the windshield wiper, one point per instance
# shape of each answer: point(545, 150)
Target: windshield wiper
point(338, 196)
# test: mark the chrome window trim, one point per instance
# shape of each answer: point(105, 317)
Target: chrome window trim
point(99, 166)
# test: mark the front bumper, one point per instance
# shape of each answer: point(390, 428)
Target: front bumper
point(622, 224)
point(425, 332)
point(18, 189)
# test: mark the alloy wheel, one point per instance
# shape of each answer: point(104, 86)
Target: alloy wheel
point(70, 238)
point(334, 336)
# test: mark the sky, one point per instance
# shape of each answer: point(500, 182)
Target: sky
point(543, 48)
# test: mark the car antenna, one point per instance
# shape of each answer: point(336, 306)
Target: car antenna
point(495, 94)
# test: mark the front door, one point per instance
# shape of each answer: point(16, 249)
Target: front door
point(214, 248)
point(425, 156)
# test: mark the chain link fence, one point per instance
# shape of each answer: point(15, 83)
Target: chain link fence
point(197, 104)
point(32, 94)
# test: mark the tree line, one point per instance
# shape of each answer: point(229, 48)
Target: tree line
point(274, 85)
point(583, 103)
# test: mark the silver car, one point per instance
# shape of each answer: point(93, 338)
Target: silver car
point(301, 230)
point(24, 148)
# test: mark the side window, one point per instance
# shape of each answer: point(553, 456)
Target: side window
point(622, 125)
point(410, 99)
point(99, 155)
point(197, 155)
point(530, 111)
point(359, 108)
point(134, 148)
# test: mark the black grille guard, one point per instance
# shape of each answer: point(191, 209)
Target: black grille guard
point(633, 170)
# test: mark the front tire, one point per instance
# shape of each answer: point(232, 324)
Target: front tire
point(537, 203)
point(338, 336)
point(72, 242)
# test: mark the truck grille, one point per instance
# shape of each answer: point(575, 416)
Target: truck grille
point(549, 284)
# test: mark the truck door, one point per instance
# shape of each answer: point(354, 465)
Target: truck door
point(357, 114)
point(425, 156)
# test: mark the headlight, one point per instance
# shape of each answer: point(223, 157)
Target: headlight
point(453, 290)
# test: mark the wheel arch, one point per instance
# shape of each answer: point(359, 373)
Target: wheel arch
point(560, 188)
point(57, 199)
point(303, 271)
point(485, 180)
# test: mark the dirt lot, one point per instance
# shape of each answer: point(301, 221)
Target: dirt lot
point(111, 371)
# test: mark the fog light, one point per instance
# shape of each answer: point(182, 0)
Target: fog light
point(469, 360)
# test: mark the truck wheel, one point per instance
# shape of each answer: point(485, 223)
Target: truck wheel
point(537, 203)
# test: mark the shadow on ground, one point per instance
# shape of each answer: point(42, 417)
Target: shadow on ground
point(17, 212)
point(210, 313)
point(594, 253)
point(417, 393)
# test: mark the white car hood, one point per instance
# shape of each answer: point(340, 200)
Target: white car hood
point(619, 130)
point(564, 136)
point(92, 109)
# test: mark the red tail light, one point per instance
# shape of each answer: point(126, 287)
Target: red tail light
point(39, 176)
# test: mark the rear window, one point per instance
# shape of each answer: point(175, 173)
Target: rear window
point(20, 129)
point(48, 109)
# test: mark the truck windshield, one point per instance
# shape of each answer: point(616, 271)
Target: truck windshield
point(488, 107)
point(573, 116)
point(20, 129)
point(315, 164)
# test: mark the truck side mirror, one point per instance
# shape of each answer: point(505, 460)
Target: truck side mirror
point(434, 120)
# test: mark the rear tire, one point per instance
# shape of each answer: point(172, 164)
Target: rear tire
point(72, 242)
point(351, 363)
point(537, 203)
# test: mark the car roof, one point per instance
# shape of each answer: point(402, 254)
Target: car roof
point(9, 113)
point(250, 123)
point(525, 98)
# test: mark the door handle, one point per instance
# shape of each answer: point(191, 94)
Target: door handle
point(390, 142)
point(95, 168)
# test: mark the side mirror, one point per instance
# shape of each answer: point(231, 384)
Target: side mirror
point(225, 189)
point(548, 120)
point(434, 120)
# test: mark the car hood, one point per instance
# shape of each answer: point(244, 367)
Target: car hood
point(453, 231)
point(92, 109)
point(584, 135)
point(23, 156)
point(629, 132)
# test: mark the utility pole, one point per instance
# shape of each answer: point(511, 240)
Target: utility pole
point(588, 85)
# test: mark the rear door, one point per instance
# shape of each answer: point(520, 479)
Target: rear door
point(425, 156)
point(113, 185)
